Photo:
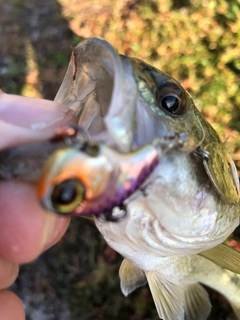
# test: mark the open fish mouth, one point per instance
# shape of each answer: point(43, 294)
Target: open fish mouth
point(96, 89)
point(101, 88)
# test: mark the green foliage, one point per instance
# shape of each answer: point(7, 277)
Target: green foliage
point(198, 44)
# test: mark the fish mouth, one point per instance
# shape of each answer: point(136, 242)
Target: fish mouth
point(100, 86)
point(96, 88)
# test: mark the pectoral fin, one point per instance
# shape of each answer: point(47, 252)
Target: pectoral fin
point(222, 172)
point(197, 303)
point(131, 277)
point(224, 256)
point(168, 297)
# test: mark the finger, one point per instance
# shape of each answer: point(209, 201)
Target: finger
point(8, 273)
point(24, 120)
point(26, 228)
point(11, 307)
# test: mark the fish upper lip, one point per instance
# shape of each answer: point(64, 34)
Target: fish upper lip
point(105, 96)
point(96, 72)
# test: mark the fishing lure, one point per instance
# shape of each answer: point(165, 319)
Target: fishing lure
point(87, 178)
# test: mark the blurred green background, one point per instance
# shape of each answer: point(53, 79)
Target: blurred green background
point(197, 42)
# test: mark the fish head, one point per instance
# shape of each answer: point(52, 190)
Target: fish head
point(125, 103)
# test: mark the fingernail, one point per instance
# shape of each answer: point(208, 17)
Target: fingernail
point(50, 225)
point(55, 226)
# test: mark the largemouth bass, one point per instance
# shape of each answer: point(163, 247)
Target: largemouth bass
point(178, 215)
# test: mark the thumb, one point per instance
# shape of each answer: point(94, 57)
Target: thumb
point(25, 120)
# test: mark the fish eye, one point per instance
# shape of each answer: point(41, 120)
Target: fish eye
point(172, 99)
point(67, 196)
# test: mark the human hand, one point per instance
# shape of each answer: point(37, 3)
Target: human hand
point(26, 230)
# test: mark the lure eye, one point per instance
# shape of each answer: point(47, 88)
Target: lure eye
point(172, 99)
point(67, 196)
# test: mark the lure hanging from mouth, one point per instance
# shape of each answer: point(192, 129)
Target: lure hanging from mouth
point(91, 179)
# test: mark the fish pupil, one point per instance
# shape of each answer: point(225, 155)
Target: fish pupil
point(170, 103)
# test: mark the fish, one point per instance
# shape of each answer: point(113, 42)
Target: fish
point(172, 236)
point(177, 214)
